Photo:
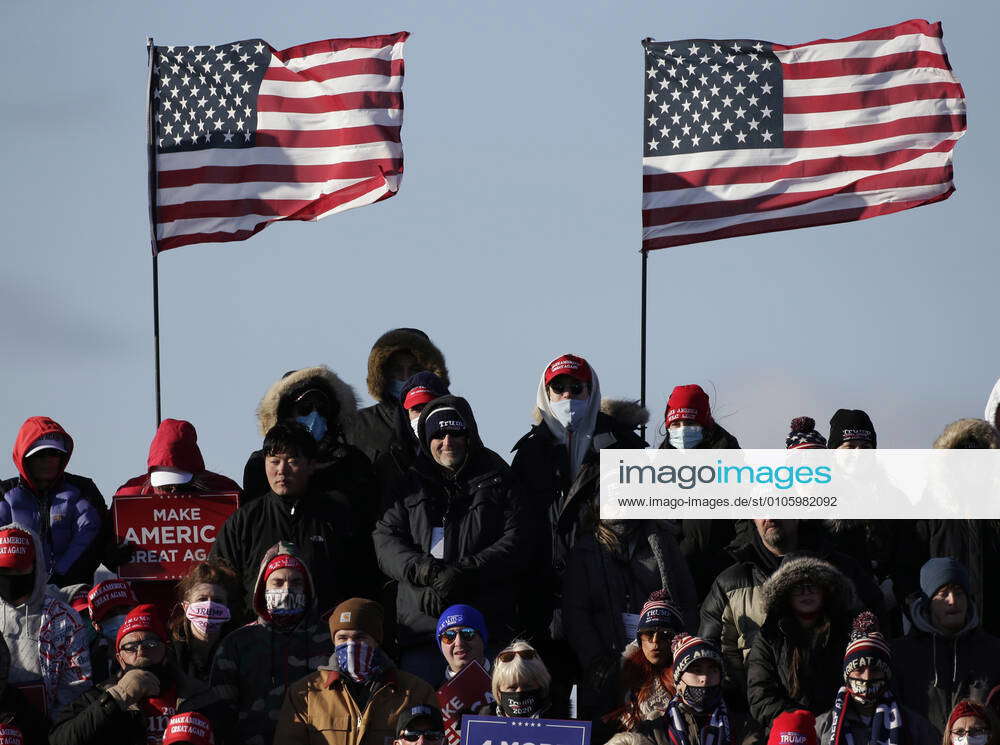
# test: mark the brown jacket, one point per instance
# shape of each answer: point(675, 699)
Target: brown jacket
point(318, 709)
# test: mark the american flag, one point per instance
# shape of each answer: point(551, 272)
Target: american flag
point(744, 136)
point(245, 134)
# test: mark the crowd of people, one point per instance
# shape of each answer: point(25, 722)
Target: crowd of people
point(377, 553)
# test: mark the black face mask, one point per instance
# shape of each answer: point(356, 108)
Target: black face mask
point(162, 672)
point(13, 587)
point(521, 703)
point(702, 699)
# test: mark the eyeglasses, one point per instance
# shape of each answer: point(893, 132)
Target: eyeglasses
point(148, 644)
point(526, 654)
point(412, 735)
point(805, 589)
point(467, 634)
point(974, 732)
point(651, 634)
point(559, 388)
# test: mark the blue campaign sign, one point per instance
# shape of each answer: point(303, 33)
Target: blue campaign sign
point(481, 730)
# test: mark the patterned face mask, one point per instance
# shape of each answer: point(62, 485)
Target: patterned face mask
point(284, 602)
point(355, 660)
point(866, 691)
point(702, 698)
point(207, 616)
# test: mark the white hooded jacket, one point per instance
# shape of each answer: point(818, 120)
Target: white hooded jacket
point(579, 440)
point(992, 403)
point(47, 641)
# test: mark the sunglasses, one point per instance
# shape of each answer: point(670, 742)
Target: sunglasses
point(651, 634)
point(148, 644)
point(412, 735)
point(467, 634)
point(525, 654)
point(559, 388)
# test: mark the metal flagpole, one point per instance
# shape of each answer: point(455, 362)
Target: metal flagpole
point(642, 344)
point(151, 157)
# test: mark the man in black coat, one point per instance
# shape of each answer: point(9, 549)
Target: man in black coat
point(454, 534)
point(322, 524)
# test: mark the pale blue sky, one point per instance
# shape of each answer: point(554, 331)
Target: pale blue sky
point(514, 237)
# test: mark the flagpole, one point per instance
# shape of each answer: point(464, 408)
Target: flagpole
point(642, 344)
point(151, 160)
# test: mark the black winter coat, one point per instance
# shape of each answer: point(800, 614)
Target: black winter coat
point(554, 504)
point(932, 673)
point(96, 718)
point(375, 429)
point(321, 525)
point(480, 510)
point(820, 670)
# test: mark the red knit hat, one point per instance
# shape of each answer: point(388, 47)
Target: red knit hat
point(142, 618)
point(793, 728)
point(568, 364)
point(690, 403)
point(11, 735)
point(190, 727)
point(108, 595)
point(966, 709)
point(17, 549)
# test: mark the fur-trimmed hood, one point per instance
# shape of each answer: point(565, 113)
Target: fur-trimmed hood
point(839, 598)
point(299, 381)
point(969, 433)
point(416, 342)
point(627, 414)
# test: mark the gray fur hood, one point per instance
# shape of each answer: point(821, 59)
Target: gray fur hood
point(298, 381)
point(838, 590)
point(969, 433)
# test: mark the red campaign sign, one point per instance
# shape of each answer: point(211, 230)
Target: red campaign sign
point(171, 532)
point(465, 693)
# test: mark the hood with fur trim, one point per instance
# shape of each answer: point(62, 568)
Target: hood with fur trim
point(838, 591)
point(299, 381)
point(969, 433)
point(415, 342)
point(992, 404)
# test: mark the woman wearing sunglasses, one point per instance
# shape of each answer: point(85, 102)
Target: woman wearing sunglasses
point(522, 686)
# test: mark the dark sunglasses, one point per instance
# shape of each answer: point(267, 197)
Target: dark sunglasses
point(526, 654)
point(467, 634)
point(574, 388)
point(147, 644)
point(412, 735)
point(651, 634)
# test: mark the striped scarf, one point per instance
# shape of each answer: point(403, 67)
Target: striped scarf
point(887, 722)
point(715, 732)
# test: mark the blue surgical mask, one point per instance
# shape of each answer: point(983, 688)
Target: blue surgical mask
point(110, 626)
point(686, 436)
point(315, 423)
point(396, 389)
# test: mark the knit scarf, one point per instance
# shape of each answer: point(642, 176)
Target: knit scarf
point(715, 732)
point(887, 722)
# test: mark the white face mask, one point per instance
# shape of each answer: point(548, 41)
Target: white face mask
point(969, 740)
point(569, 412)
point(413, 424)
point(686, 436)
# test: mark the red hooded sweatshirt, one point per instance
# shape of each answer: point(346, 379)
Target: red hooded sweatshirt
point(175, 445)
point(33, 429)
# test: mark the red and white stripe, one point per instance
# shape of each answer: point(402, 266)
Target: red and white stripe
point(329, 115)
point(869, 126)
